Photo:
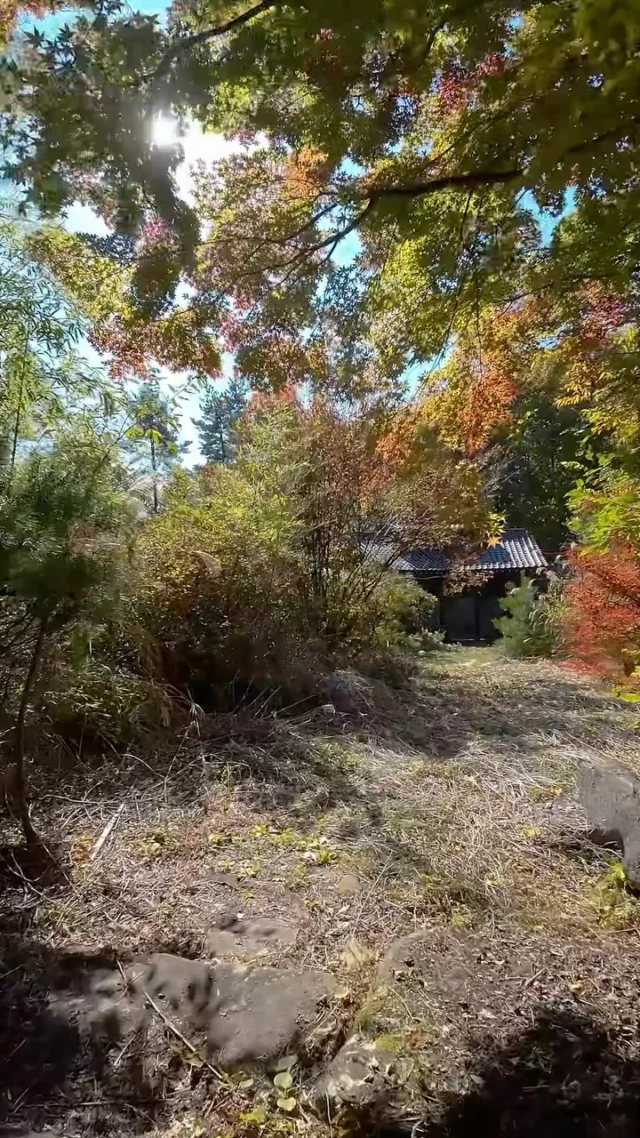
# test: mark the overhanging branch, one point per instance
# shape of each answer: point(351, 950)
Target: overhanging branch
point(188, 42)
point(476, 179)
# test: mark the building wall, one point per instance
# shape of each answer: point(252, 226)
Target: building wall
point(468, 617)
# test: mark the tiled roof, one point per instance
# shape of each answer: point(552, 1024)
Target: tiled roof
point(517, 549)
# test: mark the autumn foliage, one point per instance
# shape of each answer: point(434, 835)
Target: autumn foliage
point(603, 610)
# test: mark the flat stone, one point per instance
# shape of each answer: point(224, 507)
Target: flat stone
point(98, 1003)
point(348, 885)
point(244, 1014)
point(261, 1013)
point(611, 797)
point(228, 879)
point(182, 988)
point(359, 1075)
point(249, 939)
point(444, 962)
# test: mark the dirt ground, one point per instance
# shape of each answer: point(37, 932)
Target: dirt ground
point(427, 850)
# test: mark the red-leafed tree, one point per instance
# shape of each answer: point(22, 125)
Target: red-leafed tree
point(602, 628)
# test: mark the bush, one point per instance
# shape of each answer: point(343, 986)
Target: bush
point(268, 571)
point(217, 582)
point(532, 625)
point(101, 703)
point(404, 615)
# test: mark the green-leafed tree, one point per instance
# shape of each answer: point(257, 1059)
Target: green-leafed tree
point(534, 464)
point(64, 510)
point(64, 514)
point(221, 412)
point(152, 439)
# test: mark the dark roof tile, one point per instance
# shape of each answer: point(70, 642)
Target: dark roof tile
point(517, 549)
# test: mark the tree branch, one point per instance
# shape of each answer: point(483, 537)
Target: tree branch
point(470, 181)
point(211, 33)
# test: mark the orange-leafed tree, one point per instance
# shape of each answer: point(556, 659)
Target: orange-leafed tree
point(602, 624)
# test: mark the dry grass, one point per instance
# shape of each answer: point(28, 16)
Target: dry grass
point(447, 806)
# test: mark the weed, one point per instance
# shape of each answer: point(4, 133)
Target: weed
point(615, 906)
point(298, 877)
point(157, 843)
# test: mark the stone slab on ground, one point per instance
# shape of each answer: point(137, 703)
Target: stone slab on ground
point(359, 1075)
point(251, 938)
point(260, 1013)
point(611, 796)
point(243, 1013)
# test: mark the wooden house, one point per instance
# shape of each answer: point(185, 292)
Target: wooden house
point(467, 616)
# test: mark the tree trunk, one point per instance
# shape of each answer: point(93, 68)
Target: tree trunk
point(154, 468)
point(16, 428)
point(20, 786)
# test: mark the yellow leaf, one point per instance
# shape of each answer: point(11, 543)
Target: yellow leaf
point(287, 1104)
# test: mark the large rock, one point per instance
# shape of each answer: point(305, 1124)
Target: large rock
point(347, 692)
point(183, 989)
point(359, 1075)
point(261, 1013)
point(611, 797)
point(238, 1014)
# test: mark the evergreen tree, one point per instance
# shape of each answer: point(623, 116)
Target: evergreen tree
point(153, 437)
point(221, 412)
point(63, 520)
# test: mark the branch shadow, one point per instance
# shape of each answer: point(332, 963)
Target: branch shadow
point(51, 1067)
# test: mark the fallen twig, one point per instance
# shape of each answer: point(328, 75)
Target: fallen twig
point(105, 833)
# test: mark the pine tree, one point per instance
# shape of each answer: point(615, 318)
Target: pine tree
point(153, 437)
point(63, 513)
point(221, 413)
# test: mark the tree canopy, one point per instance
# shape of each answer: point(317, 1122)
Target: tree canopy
point(437, 134)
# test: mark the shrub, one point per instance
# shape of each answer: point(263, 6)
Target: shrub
point(602, 621)
point(531, 626)
point(405, 615)
point(216, 581)
point(275, 567)
point(101, 702)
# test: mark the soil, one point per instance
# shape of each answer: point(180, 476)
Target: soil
point(428, 854)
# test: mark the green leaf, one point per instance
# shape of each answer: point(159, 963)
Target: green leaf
point(283, 1080)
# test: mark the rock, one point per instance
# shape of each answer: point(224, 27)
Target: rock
point(228, 879)
point(243, 1014)
point(250, 938)
point(611, 797)
point(442, 961)
point(260, 1013)
point(348, 885)
point(348, 692)
point(182, 988)
point(358, 1076)
point(98, 1003)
